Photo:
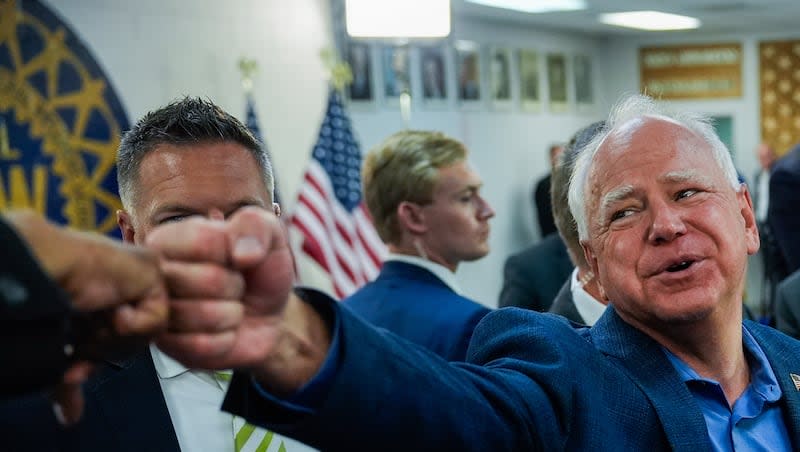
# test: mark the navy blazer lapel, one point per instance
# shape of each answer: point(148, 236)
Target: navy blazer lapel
point(649, 368)
point(130, 400)
point(782, 354)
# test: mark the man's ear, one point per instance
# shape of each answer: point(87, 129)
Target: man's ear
point(276, 209)
point(126, 226)
point(591, 259)
point(411, 217)
point(752, 239)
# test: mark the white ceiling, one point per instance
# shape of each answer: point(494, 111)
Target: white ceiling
point(718, 16)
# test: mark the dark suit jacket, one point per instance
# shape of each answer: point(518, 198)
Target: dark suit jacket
point(544, 206)
point(532, 277)
point(787, 305)
point(413, 303)
point(783, 215)
point(540, 385)
point(125, 411)
point(564, 304)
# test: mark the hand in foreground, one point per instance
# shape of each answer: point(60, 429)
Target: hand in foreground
point(117, 290)
point(231, 306)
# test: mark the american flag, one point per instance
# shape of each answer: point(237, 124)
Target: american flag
point(337, 230)
point(251, 121)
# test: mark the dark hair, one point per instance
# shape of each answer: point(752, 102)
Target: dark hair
point(559, 189)
point(188, 121)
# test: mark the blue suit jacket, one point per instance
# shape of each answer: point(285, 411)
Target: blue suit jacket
point(531, 383)
point(413, 303)
point(125, 411)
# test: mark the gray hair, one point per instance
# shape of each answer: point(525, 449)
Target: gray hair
point(559, 191)
point(632, 107)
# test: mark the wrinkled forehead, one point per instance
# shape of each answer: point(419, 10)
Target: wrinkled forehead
point(643, 135)
point(642, 140)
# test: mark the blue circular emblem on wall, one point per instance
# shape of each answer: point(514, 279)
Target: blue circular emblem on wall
point(60, 122)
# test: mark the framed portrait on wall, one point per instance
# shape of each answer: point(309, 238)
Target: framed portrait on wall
point(582, 70)
point(530, 97)
point(358, 56)
point(557, 81)
point(468, 70)
point(396, 72)
point(432, 74)
point(500, 76)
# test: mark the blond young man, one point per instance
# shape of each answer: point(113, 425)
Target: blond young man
point(425, 200)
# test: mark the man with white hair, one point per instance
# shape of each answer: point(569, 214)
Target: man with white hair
point(666, 228)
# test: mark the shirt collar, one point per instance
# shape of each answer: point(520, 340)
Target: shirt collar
point(440, 271)
point(166, 367)
point(588, 306)
point(762, 377)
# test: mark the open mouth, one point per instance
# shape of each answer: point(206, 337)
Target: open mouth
point(680, 266)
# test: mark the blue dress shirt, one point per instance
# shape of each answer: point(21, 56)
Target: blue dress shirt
point(755, 422)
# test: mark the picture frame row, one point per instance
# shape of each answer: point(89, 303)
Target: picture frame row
point(469, 74)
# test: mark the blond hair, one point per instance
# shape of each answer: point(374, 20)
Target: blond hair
point(404, 167)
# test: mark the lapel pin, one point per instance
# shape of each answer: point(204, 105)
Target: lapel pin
point(796, 381)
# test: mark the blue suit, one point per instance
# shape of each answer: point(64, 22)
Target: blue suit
point(531, 382)
point(413, 303)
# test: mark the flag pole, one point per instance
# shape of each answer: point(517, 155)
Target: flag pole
point(248, 68)
point(405, 108)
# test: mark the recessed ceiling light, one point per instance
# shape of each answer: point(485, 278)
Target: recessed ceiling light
point(398, 18)
point(650, 20)
point(539, 6)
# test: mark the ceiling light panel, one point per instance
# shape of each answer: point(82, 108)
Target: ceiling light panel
point(534, 6)
point(650, 20)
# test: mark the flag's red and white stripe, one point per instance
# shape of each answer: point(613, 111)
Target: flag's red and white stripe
point(345, 244)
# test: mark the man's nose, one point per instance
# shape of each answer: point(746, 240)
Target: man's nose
point(485, 210)
point(667, 223)
point(216, 214)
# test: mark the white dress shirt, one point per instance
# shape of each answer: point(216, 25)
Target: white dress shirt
point(762, 203)
point(588, 306)
point(194, 398)
point(441, 272)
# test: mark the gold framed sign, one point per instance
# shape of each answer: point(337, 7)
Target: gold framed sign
point(702, 71)
point(779, 70)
